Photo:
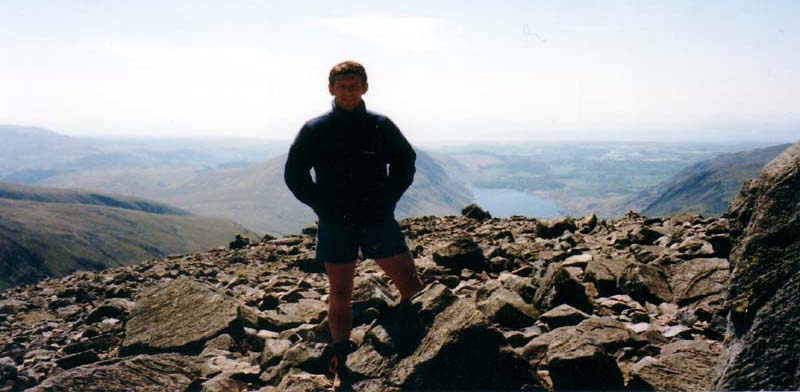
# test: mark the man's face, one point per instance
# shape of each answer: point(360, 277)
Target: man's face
point(347, 90)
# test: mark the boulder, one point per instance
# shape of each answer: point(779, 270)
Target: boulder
point(764, 293)
point(587, 223)
point(609, 333)
point(646, 282)
point(180, 316)
point(579, 261)
point(223, 382)
point(504, 307)
point(371, 292)
point(644, 235)
point(696, 279)
point(222, 342)
point(432, 300)
point(367, 361)
point(273, 352)
point(472, 211)
point(438, 342)
point(577, 362)
point(518, 284)
point(118, 308)
point(300, 381)
point(553, 228)
point(604, 272)
point(8, 370)
point(305, 311)
point(620, 303)
point(293, 314)
point(12, 306)
point(562, 285)
point(535, 351)
point(312, 358)
point(460, 253)
point(221, 361)
point(163, 372)
point(563, 315)
point(692, 360)
point(461, 350)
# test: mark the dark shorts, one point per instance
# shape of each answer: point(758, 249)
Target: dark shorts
point(340, 244)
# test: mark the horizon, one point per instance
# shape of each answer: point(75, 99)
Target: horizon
point(423, 142)
point(682, 71)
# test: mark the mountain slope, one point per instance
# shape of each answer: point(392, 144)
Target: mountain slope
point(257, 197)
point(706, 187)
point(58, 232)
point(69, 196)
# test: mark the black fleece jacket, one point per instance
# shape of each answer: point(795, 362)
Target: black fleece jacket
point(362, 166)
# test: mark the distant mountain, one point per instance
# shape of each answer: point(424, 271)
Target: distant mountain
point(37, 156)
point(257, 197)
point(53, 232)
point(31, 153)
point(234, 179)
point(705, 187)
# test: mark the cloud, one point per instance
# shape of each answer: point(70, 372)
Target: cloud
point(421, 34)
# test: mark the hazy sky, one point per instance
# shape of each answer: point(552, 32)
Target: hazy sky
point(637, 70)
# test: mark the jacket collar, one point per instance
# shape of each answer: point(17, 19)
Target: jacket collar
point(358, 111)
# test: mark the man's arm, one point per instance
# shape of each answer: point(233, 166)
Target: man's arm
point(296, 172)
point(401, 162)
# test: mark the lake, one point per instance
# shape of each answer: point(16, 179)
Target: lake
point(502, 203)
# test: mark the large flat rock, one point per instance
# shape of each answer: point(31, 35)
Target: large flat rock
point(179, 316)
point(692, 361)
point(163, 372)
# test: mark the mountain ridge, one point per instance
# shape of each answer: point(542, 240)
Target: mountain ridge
point(72, 196)
point(705, 187)
point(60, 231)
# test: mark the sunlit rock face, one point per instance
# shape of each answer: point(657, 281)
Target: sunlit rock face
point(764, 292)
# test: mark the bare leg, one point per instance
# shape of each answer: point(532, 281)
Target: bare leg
point(340, 311)
point(403, 273)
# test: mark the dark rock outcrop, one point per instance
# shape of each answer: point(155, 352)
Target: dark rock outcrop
point(764, 293)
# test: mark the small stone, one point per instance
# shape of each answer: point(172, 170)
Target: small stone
point(563, 315)
point(675, 330)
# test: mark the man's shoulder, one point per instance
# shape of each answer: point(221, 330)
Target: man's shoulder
point(379, 117)
point(318, 121)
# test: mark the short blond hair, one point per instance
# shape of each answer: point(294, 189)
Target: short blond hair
point(348, 67)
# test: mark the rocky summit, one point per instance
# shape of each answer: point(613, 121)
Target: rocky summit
point(509, 304)
point(517, 303)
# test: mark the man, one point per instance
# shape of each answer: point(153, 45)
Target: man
point(353, 196)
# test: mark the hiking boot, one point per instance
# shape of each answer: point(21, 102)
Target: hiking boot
point(402, 323)
point(343, 377)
